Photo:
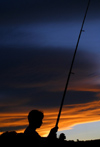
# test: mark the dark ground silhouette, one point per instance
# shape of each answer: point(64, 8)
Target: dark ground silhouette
point(20, 139)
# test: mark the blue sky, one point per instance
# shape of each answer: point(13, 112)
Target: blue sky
point(37, 42)
point(86, 131)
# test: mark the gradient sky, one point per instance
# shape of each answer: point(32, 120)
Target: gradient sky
point(37, 42)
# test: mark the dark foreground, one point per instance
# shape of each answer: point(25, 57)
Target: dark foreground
point(22, 140)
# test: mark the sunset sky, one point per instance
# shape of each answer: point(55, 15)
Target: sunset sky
point(37, 42)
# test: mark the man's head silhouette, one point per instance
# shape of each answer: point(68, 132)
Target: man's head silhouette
point(35, 118)
point(35, 121)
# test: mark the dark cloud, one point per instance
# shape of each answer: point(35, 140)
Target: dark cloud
point(24, 11)
point(36, 77)
point(40, 65)
point(45, 99)
point(44, 23)
point(38, 35)
point(3, 129)
point(79, 97)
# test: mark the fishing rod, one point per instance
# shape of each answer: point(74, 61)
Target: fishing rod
point(70, 71)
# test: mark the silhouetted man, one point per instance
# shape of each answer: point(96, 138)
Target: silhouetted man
point(35, 118)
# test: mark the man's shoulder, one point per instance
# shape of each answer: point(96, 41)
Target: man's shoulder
point(30, 132)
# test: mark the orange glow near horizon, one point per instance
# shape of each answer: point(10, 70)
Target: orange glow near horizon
point(71, 115)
